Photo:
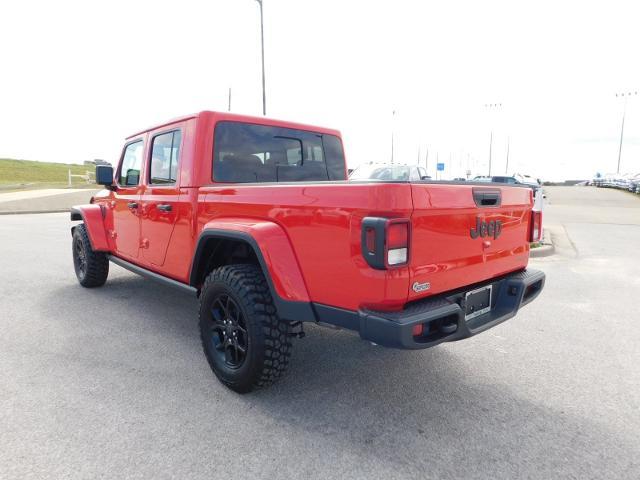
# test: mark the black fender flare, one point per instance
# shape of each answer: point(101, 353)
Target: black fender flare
point(287, 309)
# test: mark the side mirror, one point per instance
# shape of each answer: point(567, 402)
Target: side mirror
point(104, 175)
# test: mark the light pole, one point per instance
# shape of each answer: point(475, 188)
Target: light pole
point(624, 113)
point(264, 95)
point(490, 145)
point(491, 106)
point(393, 117)
point(506, 167)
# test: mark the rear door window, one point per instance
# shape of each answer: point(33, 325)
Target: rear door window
point(246, 153)
point(165, 151)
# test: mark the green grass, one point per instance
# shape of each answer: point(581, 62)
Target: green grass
point(20, 174)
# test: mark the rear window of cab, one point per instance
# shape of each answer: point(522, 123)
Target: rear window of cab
point(249, 153)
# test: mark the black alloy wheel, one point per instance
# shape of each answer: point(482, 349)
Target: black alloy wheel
point(79, 258)
point(229, 331)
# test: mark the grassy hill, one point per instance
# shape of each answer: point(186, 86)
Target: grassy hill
point(29, 174)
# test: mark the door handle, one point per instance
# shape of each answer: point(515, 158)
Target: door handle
point(132, 205)
point(164, 207)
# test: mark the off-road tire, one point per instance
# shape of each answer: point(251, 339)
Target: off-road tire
point(92, 268)
point(268, 338)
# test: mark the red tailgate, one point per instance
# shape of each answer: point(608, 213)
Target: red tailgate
point(461, 237)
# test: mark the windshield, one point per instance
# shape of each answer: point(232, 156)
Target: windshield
point(504, 179)
point(380, 172)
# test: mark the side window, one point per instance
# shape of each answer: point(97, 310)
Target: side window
point(415, 175)
point(165, 153)
point(422, 172)
point(334, 156)
point(131, 162)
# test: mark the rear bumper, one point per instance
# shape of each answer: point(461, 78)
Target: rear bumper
point(442, 317)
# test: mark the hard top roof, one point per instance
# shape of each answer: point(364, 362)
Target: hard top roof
point(219, 116)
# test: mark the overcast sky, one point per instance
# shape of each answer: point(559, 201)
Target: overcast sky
point(77, 77)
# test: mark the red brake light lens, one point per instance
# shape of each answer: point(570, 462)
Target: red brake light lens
point(397, 243)
point(397, 235)
point(536, 226)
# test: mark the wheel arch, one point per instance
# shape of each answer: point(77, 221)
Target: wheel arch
point(267, 246)
point(93, 218)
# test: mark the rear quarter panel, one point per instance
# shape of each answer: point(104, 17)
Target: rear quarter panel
point(322, 222)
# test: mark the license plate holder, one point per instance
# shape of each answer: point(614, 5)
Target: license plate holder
point(477, 302)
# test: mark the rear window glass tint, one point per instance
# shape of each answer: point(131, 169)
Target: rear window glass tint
point(258, 153)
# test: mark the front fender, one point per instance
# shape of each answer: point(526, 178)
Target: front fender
point(93, 219)
point(277, 259)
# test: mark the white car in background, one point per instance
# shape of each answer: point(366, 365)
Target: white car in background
point(392, 172)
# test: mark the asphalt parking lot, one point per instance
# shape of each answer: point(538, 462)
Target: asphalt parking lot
point(112, 383)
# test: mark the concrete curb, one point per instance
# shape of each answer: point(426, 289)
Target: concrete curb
point(32, 212)
point(53, 203)
point(547, 249)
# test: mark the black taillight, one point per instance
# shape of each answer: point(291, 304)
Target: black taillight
point(535, 228)
point(385, 242)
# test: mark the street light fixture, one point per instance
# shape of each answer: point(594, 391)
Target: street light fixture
point(264, 95)
point(624, 112)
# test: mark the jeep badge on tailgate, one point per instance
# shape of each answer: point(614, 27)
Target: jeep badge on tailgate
point(483, 228)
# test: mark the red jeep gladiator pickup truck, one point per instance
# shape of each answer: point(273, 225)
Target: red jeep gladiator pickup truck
point(257, 218)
